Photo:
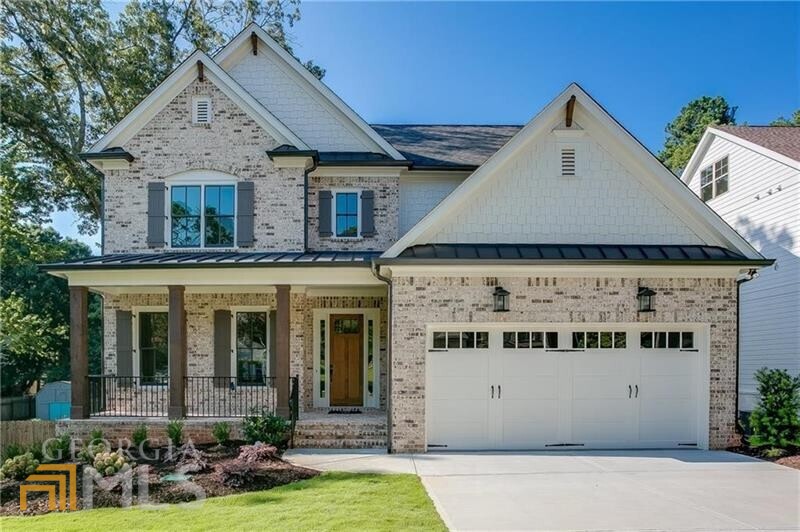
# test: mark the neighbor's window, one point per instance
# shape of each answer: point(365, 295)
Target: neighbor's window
point(346, 214)
point(714, 179)
point(212, 225)
point(251, 347)
point(153, 347)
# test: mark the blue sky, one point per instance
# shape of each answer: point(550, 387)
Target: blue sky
point(499, 63)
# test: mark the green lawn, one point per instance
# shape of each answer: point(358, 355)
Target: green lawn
point(332, 501)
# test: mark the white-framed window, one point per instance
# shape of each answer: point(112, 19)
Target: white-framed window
point(714, 179)
point(151, 345)
point(530, 339)
point(346, 213)
point(599, 340)
point(250, 353)
point(460, 340)
point(202, 215)
point(201, 110)
point(666, 340)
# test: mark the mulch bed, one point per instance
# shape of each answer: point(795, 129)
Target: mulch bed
point(215, 470)
point(792, 460)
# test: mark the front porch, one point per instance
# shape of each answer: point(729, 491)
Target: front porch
point(228, 341)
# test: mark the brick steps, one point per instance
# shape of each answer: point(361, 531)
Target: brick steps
point(340, 434)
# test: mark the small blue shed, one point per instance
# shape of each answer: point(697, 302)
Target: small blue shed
point(53, 400)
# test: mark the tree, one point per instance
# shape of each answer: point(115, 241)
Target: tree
point(793, 121)
point(685, 131)
point(70, 73)
point(34, 306)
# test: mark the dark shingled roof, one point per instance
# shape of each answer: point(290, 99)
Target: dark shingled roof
point(578, 253)
point(217, 259)
point(446, 145)
point(781, 139)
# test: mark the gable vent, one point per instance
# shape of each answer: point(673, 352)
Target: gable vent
point(568, 161)
point(201, 110)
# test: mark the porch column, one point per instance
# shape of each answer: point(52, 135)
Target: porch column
point(177, 353)
point(79, 351)
point(282, 333)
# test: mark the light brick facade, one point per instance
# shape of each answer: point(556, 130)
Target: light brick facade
point(386, 212)
point(232, 143)
point(418, 301)
point(200, 330)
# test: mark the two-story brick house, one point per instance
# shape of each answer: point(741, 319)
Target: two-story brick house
point(474, 287)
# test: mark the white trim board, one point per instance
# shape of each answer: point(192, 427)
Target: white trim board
point(681, 200)
point(241, 45)
point(178, 80)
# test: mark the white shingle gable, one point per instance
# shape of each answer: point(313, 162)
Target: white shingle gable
point(531, 200)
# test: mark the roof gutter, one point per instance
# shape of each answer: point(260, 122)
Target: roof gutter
point(376, 271)
point(410, 261)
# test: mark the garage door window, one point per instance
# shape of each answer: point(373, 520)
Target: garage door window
point(530, 340)
point(460, 340)
point(599, 340)
point(667, 340)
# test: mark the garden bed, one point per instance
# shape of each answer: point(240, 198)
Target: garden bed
point(790, 460)
point(210, 471)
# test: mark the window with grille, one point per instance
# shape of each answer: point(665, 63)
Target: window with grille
point(201, 110)
point(714, 179)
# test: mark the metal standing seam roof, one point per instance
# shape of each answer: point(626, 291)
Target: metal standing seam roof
point(577, 253)
point(218, 259)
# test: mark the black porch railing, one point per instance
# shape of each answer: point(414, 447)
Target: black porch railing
point(112, 396)
point(229, 396)
point(115, 396)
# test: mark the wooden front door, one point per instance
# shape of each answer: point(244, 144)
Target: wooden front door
point(347, 360)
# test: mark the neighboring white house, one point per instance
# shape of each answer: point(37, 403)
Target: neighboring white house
point(750, 175)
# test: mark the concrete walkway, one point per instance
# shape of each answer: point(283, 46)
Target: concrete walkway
point(585, 490)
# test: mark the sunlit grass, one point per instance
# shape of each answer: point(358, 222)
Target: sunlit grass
point(332, 501)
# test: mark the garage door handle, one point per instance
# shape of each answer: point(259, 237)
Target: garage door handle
point(637, 391)
point(630, 391)
point(499, 391)
point(492, 391)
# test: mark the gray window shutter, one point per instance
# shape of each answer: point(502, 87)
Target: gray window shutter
point(222, 347)
point(125, 346)
point(156, 213)
point(245, 216)
point(367, 213)
point(325, 197)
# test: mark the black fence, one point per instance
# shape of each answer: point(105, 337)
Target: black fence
point(15, 408)
point(229, 396)
point(114, 396)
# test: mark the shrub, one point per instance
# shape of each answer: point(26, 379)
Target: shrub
point(175, 432)
point(19, 467)
point(58, 448)
point(109, 463)
point(12, 450)
point(222, 432)
point(266, 428)
point(775, 421)
point(96, 434)
point(259, 452)
point(139, 435)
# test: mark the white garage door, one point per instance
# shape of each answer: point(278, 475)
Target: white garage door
point(545, 387)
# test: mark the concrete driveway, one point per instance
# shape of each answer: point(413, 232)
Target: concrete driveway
point(613, 490)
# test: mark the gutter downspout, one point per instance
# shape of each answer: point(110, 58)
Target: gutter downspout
point(375, 269)
point(305, 202)
point(749, 276)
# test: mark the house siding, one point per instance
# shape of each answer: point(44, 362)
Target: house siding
point(418, 301)
point(528, 201)
point(419, 195)
point(763, 204)
point(290, 99)
point(232, 143)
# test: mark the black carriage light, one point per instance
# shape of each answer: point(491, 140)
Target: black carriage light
point(500, 299)
point(646, 299)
